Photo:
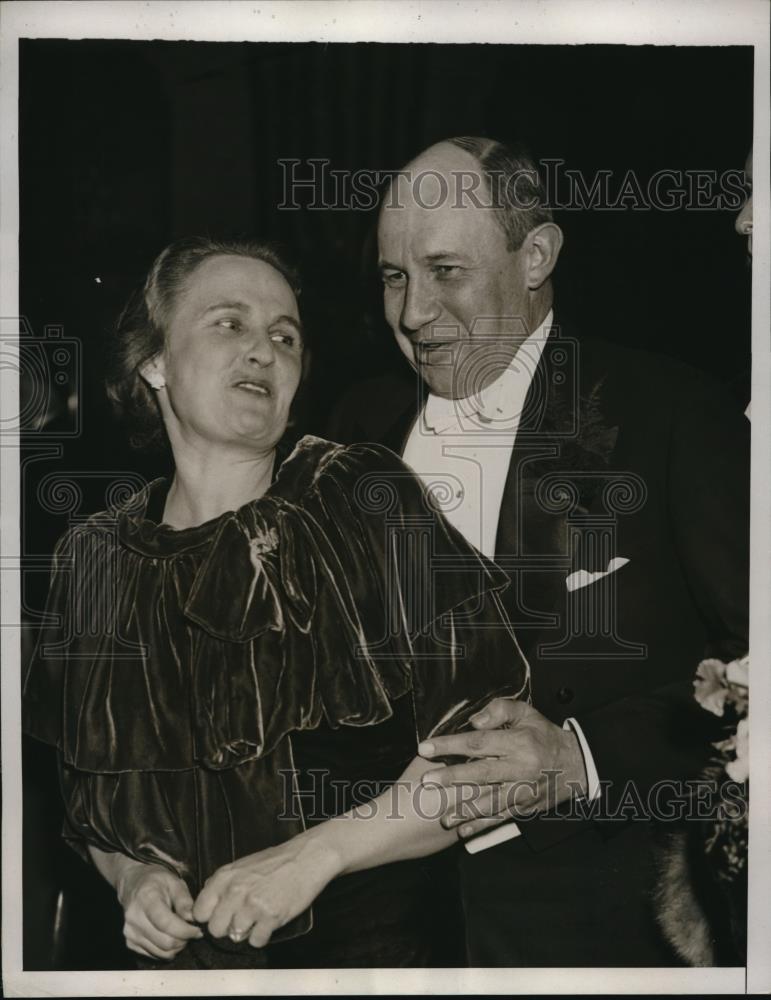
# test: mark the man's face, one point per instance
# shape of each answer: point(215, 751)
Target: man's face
point(455, 297)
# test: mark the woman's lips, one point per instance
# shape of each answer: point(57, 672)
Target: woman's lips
point(253, 387)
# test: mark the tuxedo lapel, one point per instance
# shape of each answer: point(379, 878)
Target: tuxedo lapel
point(531, 541)
point(558, 462)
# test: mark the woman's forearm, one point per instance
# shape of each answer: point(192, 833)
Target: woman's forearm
point(401, 823)
point(269, 888)
point(114, 866)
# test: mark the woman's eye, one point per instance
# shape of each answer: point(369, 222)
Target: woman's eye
point(229, 324)
point(284, 338)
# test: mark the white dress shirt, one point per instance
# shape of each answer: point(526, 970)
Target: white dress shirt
point(461, 449)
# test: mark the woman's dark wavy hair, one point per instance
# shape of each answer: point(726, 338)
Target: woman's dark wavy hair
point(139, 333)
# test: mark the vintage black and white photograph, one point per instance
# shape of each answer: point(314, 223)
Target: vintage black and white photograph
point(385, 510)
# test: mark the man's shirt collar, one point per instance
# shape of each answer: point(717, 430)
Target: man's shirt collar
point(498, 406)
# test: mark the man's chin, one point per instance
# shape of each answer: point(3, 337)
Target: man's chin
point(439, 382)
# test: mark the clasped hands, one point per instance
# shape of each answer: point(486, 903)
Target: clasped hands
point(249, 898)
point(518, 763)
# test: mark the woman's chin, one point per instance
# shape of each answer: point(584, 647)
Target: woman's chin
point(262, 435)
point(258, 424)
point(253, 435)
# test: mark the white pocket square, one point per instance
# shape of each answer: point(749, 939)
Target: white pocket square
point(582, 577)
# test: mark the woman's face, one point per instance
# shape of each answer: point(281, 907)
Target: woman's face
point(232, 356)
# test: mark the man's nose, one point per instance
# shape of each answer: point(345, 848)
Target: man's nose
point(420, 307)
point(744, 219)
point(261, 350)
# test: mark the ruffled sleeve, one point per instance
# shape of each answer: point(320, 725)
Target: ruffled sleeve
point(394, 599)
point(107, 685)
point(421, 603)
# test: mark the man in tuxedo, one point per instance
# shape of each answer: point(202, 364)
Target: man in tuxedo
point(612, 486)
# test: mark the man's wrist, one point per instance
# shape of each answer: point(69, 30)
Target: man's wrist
point(575, 777)
point(593, 788)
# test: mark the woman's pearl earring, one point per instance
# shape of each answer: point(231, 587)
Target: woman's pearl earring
point(157, 384)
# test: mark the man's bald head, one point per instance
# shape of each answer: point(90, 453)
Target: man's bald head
point(478, 172)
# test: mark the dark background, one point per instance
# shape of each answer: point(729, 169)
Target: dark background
point(125, 146)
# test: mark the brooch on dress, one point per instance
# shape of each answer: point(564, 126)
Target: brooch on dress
point(262, 544)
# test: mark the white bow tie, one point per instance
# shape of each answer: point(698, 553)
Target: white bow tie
point(470, 414)
point(441, 414)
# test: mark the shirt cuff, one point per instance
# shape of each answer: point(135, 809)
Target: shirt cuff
point(592, 778)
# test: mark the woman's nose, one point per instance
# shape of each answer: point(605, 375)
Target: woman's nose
point(261, 350)
point(420, 307)
point(744, 219)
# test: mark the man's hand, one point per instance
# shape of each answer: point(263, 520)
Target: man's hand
point(255, 895)
point(158, 910)
point(523, 764)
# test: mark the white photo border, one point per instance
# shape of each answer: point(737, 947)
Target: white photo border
point(534, 22)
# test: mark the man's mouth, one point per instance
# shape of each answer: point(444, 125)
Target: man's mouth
point(427, 350)
point(254, 386)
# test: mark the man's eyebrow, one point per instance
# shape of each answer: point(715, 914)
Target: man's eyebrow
point(431, 258)
point(440, 255)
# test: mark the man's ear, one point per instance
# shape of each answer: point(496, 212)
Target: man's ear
point(153, 372)
point(543, 244)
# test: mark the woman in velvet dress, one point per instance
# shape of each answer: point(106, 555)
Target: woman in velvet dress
point(257, 646)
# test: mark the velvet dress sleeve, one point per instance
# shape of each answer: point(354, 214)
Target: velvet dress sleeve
point(421, 599)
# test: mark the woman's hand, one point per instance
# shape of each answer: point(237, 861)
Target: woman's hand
point(158, 910)
point(261, 892)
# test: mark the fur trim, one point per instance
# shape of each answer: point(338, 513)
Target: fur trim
point(679, 912)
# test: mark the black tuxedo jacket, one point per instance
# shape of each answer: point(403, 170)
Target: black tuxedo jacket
point(618, 454)
point(623, 454)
